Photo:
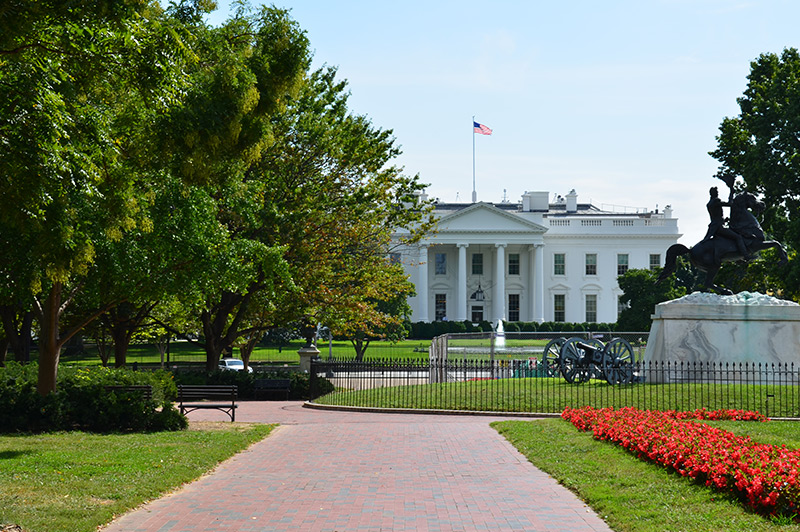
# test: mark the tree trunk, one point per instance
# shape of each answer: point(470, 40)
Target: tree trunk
point(247, 349)
point(102, 348)
point(17, 331)
point(121, 338)
point(219, 335)
point(22, 349)
point(213, 344)
point(3, 351)
point(360, 345)
point(49, 341)
point(123, 320)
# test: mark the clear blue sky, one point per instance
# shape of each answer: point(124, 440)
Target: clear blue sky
point(620, 100)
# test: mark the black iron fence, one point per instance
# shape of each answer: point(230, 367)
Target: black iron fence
point(527, 385)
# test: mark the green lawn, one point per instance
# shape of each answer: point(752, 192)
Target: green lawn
point(75, 482)
point(632, 495)
point(185, 352)
point(554, 394)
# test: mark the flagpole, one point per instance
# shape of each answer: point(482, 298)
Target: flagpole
point(474, 193)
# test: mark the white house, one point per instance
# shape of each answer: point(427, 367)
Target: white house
point(532, 261)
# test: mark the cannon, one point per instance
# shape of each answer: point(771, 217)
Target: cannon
point(579, 359)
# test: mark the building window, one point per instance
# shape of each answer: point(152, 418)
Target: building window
point(591, 264)
point(559, 307)
point(477, 313)
point(559, 264)
point(513, 307)
point(441, 307)
point(441, 264)
point(591, 308)
point(513, 264)
point(655, 261)
point(622, 263)
point(477, 264)
point(394, 258)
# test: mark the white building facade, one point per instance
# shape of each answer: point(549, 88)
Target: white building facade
point(533, 261)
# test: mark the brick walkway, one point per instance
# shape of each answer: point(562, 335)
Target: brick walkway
point(336, 471)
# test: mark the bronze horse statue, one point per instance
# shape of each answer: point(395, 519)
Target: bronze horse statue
point(708, 255)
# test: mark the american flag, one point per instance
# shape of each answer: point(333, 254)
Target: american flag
point(480, 128)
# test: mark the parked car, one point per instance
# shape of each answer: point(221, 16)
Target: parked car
point(233, 364)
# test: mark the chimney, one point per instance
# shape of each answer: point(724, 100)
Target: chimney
point(572, 201)
point(539, 201)
point(535, 202)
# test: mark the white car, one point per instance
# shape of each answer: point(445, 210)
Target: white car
point(233, 364)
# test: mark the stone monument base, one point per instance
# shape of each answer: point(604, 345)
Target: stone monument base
point(713, 330)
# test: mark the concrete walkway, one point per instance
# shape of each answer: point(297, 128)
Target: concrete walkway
point(337, 471)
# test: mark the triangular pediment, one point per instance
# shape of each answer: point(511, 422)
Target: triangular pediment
point(484, 217)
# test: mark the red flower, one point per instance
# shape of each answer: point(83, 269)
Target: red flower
point(764, 475)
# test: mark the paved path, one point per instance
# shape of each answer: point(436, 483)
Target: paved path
point(337, 471)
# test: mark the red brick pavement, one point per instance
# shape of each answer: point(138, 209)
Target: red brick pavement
point(351, 471)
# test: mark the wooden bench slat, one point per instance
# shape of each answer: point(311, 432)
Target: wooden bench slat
point(188, 393)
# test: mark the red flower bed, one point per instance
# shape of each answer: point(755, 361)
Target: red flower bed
point(766, 477)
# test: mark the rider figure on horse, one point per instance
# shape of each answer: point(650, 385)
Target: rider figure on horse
point(717, 226)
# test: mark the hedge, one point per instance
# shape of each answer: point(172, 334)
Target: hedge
point(422, 330)
point(81, 401)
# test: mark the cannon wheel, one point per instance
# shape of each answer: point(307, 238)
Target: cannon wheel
point(572, 369)
point(618, 361)
point(551, 356)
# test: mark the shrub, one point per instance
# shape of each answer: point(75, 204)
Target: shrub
point(299, 388)
point(81, 401)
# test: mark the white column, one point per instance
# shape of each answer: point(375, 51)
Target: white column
point(500, 284)
point(538, 284)
point(531, 307)
point(422, 284)
point(461, 299)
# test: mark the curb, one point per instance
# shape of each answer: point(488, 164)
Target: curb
point(429, 411)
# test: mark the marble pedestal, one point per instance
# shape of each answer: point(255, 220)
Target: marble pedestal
point(716, 330)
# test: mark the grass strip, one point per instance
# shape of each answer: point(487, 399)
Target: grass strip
point(75, 481)
point(633, 495)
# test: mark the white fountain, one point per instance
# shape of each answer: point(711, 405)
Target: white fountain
point(500, 336)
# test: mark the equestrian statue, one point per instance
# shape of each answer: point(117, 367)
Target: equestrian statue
point(740, 240)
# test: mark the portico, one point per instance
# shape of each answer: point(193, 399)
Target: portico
point(489, 273)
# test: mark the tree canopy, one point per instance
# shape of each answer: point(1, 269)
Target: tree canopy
point(640, 296)
point(762, 145)
point(152, 162)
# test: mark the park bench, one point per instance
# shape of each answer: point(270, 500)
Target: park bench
point(216, 396)
point(271, 386)
point(145, 390)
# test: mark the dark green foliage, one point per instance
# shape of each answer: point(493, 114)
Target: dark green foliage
point(642, 294)
point(761, 145)
point(426, 331)
point(82, 402)
point(244, 381)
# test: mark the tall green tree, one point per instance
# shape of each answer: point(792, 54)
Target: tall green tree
point(80, 85)
point(334, 200)
point(762, 145)
point(102, 102)
point(389, 322)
